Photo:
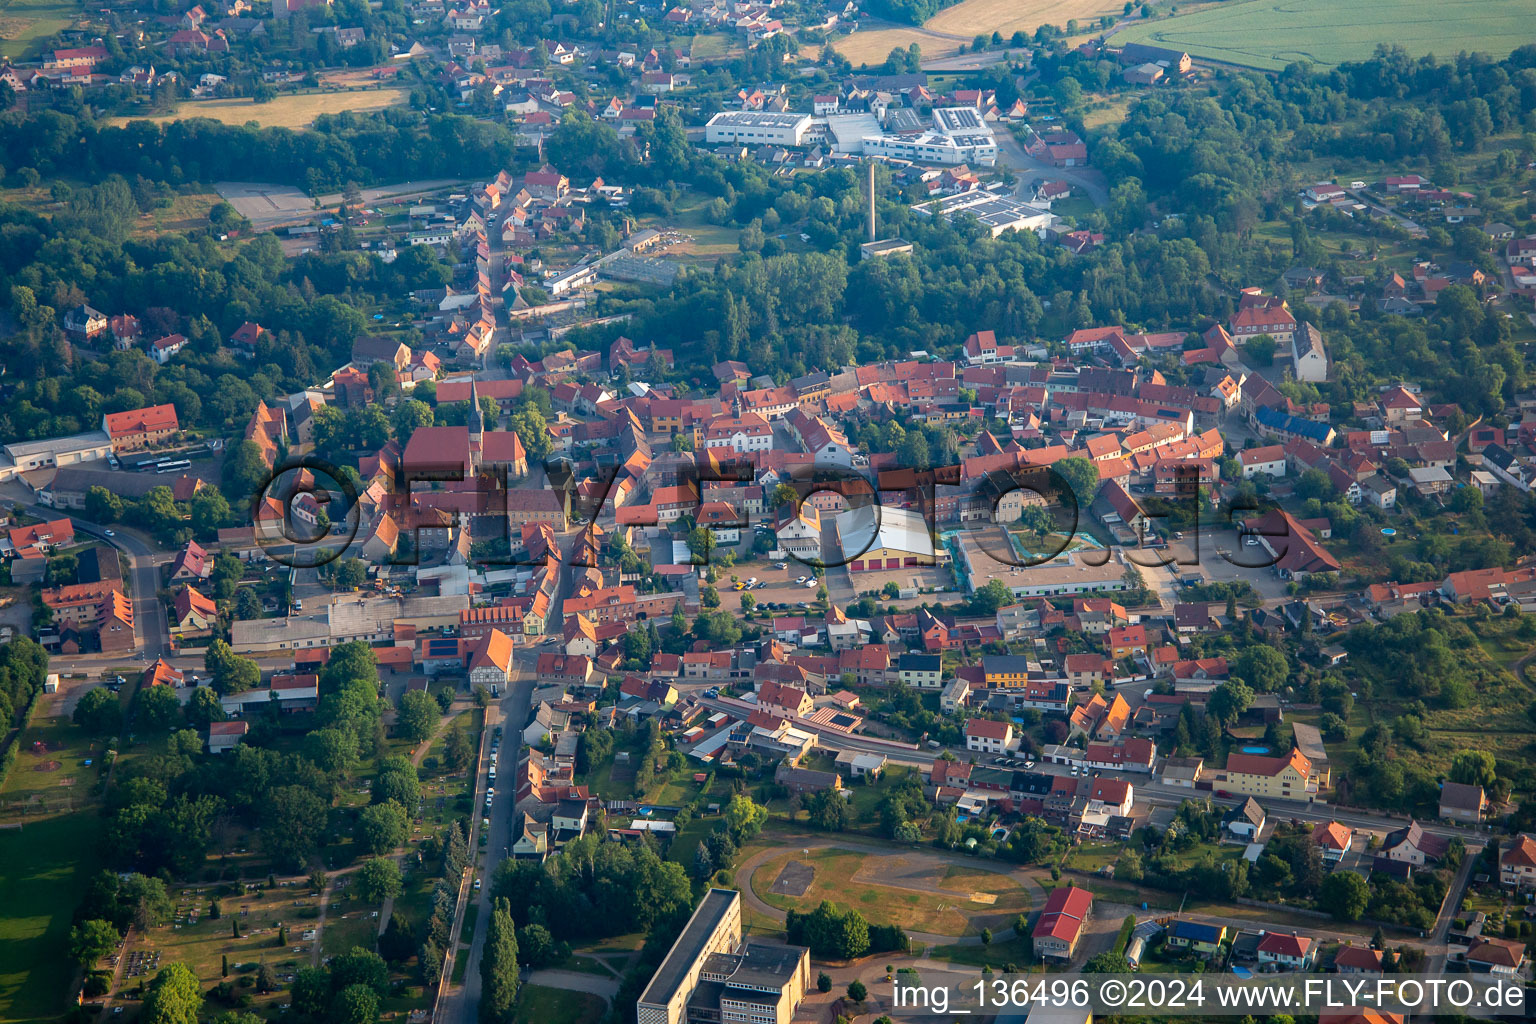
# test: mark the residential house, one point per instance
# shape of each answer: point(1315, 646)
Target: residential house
point(1333, 841)
point(988, 737)
point(1517, 862)
point(192, 614)
point(1413, 846)
point(1245, 821)
point(1289, 777)
point(1463, 803)
point(1352, 959)
point(1061, 922)
point(1197, 936)
point(1504, 957)
point(1293, 951)
point(920, 671)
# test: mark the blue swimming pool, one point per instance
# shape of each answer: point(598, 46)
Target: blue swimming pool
point(1255, 750)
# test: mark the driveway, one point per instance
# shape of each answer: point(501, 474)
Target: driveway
point(1028, 170)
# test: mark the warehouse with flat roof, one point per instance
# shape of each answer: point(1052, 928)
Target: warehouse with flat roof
point(757, 128)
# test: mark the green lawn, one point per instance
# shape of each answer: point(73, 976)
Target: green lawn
point(537, 1004)
point(1270, 34)
point(52, 777)
point(43, 869)
point(24, 24)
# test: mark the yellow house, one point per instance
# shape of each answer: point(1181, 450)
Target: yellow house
point(1008, 671)
point(1287, 778)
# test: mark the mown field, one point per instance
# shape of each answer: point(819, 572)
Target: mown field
point(47, 863)
point(25, 23)
point(1270, 34)
point(297, 110)
point(873, 47)
point(970, 17)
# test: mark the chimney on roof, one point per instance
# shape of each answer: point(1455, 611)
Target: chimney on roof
point(871, 200)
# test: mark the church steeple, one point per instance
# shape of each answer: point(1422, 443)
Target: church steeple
point(476, 417)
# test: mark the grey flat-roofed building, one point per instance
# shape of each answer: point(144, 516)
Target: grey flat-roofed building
point(710, 975)
point(24, 456)
point(954, 120)
point(715, 927)
point(758, 127)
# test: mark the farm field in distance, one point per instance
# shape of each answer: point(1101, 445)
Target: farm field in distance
point(1008, 16)
point(873, 47)
point(24, 22)
point(285, 111)
point(1270, 34)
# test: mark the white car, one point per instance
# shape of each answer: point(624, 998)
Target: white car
point(800, 580)
point(811, 584)
point(1357, 184)
point(113, 533)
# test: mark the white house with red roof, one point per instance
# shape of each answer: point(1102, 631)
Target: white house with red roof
point(988, 737)
point(1288, 950)
point(1517, 862)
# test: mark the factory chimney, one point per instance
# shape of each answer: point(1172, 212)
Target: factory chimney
point(871, 200)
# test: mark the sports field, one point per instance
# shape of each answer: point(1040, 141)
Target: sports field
point(1270, 34)
point(971, 17)
point(286, 111)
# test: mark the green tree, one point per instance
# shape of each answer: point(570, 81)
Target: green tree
point(382, 827)
point(156, 709)
point(244, 473)
point(350, 574)
point(174, 997)
point(417, 716)
point(856, 991)
point(498, 967)
point(210, 512)
point(411, 413)
point(744, 817)
point(99, 712)
point(1262, 667)
point(102, 506)
point(231, 672)
point(355, 1004)
point(1346, 894)
point(701, 541)
point(1473, 768)
point(1229, 700)
point(292, 820)
point(203, 707)
point(89, 941)
point(378, 879)
point(1082, 476)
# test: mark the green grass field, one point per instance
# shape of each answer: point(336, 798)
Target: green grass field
point(24, 24)
point(1270, 34)
point(538, 1004)
point(46, 865)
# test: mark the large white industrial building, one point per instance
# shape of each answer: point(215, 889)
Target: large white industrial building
point(997, 210)
point(757, 128)
point(958, 136)
point(953, 135)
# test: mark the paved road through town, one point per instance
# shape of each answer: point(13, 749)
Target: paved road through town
point(461, 1003)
